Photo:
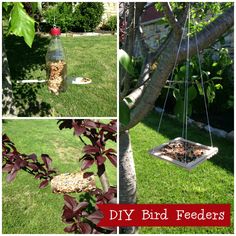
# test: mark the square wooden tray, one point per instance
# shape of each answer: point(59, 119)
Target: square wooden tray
point(209, 152)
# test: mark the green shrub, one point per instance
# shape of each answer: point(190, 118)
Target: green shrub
point(111, 24)
point(217, 72)
point(87, 16)
point(63, 16)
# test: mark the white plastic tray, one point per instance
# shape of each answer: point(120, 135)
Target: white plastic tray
point(209, 152)
point(80, 80)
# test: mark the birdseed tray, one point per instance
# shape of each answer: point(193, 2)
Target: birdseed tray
point(184, 153)
point(74, 182)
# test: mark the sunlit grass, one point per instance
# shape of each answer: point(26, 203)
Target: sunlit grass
point(92, 57)
point(162, 182)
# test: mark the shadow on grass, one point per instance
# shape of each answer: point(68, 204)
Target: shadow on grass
point(171, 129)
point(27, 63)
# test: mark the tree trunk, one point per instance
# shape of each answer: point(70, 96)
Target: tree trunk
point(8, 107)
point(104, 182)
point(127, 177)
point(103, 178)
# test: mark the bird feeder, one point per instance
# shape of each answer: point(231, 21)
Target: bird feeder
point(72, 183)
point(184, 153)
point(56, 67)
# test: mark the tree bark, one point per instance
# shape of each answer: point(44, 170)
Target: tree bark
point(104, 182)
point(103, 178)
point(8, 107)
point(127, 176)
point(135, 11)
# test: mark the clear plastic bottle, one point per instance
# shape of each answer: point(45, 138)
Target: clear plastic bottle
point(56, 66)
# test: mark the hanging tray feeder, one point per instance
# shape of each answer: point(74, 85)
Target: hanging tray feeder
point(184, 153)
point(72, 183)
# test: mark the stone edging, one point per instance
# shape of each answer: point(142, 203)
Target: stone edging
point(77, 34)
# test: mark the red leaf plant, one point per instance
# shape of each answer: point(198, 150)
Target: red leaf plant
point(82, 216)
point(95, 152)
point(14, 161)
point(98, 134)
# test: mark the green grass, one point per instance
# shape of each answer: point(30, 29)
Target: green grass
point(93, 57)
point(26, 209)
point(162, 182)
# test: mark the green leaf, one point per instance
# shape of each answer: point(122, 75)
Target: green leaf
point(176, 94)
point(192, 93)
point(183, 68)
point(199, 86)
point(40, 8)
point(34, 6)
point(179, 109)
point(126, 61)
point(214, 64)
point(207, 73)
point(124, 113)
point(6, 5)
point(195, 77)
point(162, 21)
point(210, 93)
point(216, 78)
point(21, 24)
point(218, 86)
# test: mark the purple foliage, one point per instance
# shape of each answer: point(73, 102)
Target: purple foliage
point(13, 161)
point(82, 220)
point(98, 134)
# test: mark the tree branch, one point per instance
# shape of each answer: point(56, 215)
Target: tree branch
point(209, 34)
point(171, 18)
point(135, 11)
point(206, 37)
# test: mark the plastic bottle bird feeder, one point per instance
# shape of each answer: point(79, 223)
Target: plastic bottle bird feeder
point(56, 66)
point(72, 183)
point(184, 153)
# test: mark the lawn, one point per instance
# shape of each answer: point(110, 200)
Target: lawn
point(93, 57)
point(26, 209)
point(162, 182)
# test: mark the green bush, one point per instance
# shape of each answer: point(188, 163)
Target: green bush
point(62, 12)
point(217, 72)
point(87, 16)
point(84, 18)
point(111, 24)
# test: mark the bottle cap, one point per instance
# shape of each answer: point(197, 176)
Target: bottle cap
point(55, 31)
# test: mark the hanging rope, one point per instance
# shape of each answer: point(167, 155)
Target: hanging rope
point(203, 90)
point(185, 113)
point(186, 83)
point(172, 76)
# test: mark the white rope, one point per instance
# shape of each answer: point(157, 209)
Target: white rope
point(186, 89)
point(203, 90)
point(172, 76)
point(185, 113)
